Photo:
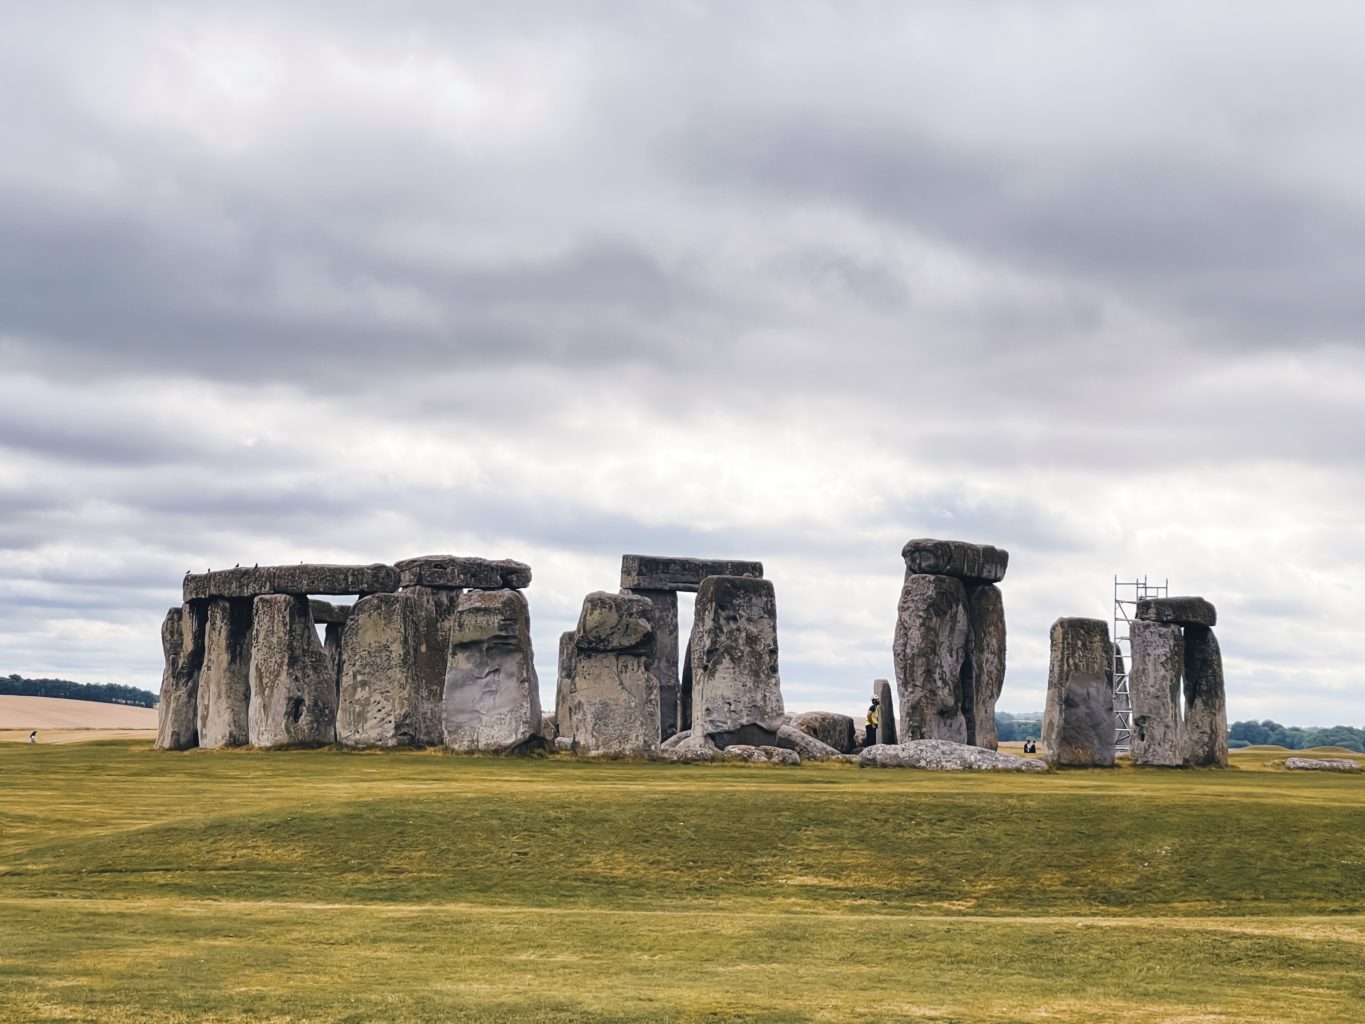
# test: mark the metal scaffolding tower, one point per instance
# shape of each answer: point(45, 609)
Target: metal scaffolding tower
point(1127, 593)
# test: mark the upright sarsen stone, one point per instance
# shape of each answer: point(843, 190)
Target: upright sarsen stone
point(182, 643)
point(930, 651)
point(567, 656)
point(1154, 693)
point(736, 689)
point(225, 679)
point(612, 697)
point(293, 687)
point(491, 701)
point(886, 717)
point(664, 659)
point(1206, 713)
point(985, 662)
point(1078, 720)
point(392, 673)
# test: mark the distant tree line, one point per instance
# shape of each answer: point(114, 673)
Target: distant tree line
point(1245, 734)
point(1013, 728)
point(103, 693)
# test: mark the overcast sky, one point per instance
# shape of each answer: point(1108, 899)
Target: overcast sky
point(787, 281)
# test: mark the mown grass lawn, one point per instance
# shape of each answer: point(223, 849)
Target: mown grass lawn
point(326, 885)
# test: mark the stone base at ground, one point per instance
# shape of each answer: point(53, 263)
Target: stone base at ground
point(943, 756)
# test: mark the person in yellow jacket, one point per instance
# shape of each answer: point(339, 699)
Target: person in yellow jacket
point(874, 717)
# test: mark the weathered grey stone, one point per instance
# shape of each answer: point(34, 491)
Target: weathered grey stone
point(492, 698)
point(664, 662)
point(1205, 733)
point(1078, 719)
point(676, 739)
point(886, 717)
point(1185, 611)
point(985, 663)
point(463, 573)
point(291, 579)
point(944, 756)
point(1154, 693)
point(979, 563)
point(611, 696)
point(549, 728)
point(651, 572)
point(930, 650)
point(687, 753)
point(685, 683)
point(392, 673)
point(293, 688)
point(759, 755)
point(568, 652)
point(331, 644)
point(809, 747)
point(225, 679)
point(182, 643)
point(829, 727)
point(1321, 764)
point(327, 614)
point(563, 744)
point(735, 681)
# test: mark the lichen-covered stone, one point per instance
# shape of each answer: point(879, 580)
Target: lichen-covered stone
point(663, 663)
point(945, 756)
point(293, 688)
point(392, 673)
point(462, 572)
point(611, 697)
point(491, 701)
point(1154, 693)
point(1078, 719)
point(182, 644)
point(932, 630)
point(652, 572)
point(986, 660)
point(1183, 611)
point(1205, 731)
point(829, 727)
point(735, 681)
point(225, 678)
point(979, 563)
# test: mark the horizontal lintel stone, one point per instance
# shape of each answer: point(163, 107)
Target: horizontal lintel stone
point(653, 572)
point(258, 581)
point(461, 572)
point(973, 562)
point(1183, 611)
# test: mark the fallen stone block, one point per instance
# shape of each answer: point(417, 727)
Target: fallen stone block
point(1078, 719)
point(463, 573)
point(979, 563)
point(1183, 611)
point(829, 727)
point(945, 756)
point(651, 572)
point(809, 747)
point(1321, 764)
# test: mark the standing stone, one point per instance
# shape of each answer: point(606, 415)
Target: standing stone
point(736, 690)
point(392, 673)
point(1154, 693)
point(685, 684)
point(930, 651)
point(613, 698)
point(567, 653)
point(986, 659)
point(886, 706)
point(293, 688)
point(664, 661)
point(182, 643)
point(491, 701)
point(1206, 712)
point(331, 644)
point(1078, 721)
point(225, 679)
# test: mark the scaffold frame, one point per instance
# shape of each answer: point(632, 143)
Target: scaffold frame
point(1127, 593)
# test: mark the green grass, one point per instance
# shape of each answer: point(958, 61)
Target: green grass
point(324, 885)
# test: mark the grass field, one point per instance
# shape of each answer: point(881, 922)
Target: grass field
point(331, 886)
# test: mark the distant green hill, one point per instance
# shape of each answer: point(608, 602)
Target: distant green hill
point(102, 693)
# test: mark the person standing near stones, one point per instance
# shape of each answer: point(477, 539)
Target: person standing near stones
point(873, 719)
point(33, 736)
